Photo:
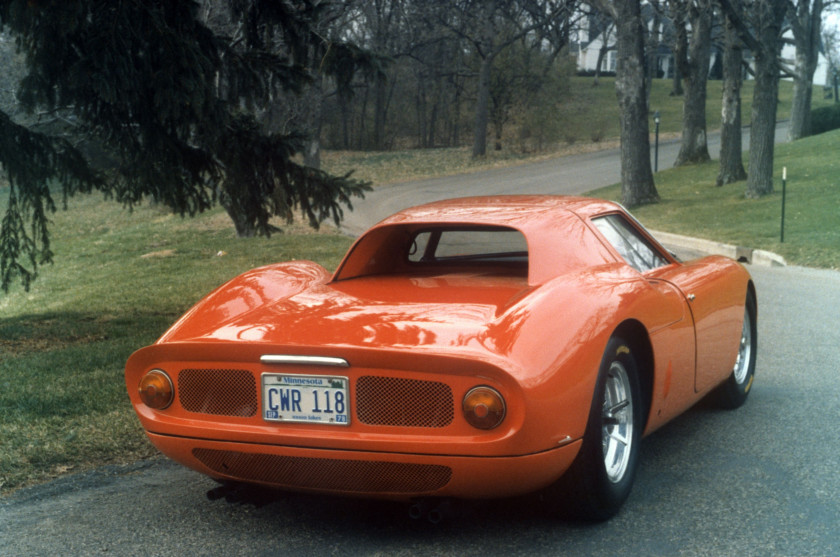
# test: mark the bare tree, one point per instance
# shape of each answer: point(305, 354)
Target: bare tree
point(606, 26)
point(759, 25)
point(490, 26)
point(731, 155)
point(384, 24)
point(831, 46)
point(692, 55)
point(637, 185)
point(805, 20)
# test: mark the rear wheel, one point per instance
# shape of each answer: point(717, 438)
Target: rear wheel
point(600, 479)
point(733, 392)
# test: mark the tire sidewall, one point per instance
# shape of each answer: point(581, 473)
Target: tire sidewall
point(732, 394)
point(585, 492)
point(613, 494)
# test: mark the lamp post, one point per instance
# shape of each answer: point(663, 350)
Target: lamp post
point(656, 142)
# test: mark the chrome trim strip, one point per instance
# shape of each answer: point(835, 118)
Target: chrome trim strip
point(289, 359)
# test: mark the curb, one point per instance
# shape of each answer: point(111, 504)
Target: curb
point(696, 247)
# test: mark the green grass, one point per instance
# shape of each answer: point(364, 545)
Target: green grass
point(693, 206)
point(121, 278)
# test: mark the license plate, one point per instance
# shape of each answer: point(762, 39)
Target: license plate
point(314, 399)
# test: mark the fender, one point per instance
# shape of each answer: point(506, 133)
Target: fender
point(244, 293)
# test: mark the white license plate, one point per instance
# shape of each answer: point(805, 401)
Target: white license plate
point(314, 399)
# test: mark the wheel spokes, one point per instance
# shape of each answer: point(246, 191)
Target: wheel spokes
point(617, 422)
point(742, 360)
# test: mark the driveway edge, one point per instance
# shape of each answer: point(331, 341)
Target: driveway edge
point(680, 243)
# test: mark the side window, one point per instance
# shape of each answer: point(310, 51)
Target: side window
point(634, 248)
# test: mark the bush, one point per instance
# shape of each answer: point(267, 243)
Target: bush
point(825, 118)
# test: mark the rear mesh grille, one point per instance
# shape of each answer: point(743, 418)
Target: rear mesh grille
point(391, 401)
point(225, 392)
point(355, 476)
point(380, 401)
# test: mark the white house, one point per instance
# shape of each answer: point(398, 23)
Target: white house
point(591, 38)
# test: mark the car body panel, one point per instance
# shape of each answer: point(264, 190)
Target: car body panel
point(425, 335)
point(717, 312)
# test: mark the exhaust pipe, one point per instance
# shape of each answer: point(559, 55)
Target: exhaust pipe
point(433, 510)
point(419, 509)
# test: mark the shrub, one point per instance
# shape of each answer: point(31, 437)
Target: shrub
point(825, 118)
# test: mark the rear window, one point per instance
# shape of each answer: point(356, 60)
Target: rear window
point(454, 245)
point(437, 248)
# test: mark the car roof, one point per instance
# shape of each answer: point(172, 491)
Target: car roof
point(523, 212)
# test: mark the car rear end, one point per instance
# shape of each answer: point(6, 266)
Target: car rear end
point(353, 421)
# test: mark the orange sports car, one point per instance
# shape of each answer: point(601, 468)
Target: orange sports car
point(473, 348)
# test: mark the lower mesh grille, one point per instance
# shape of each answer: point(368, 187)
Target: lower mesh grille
point(393, 401)
point(354, 476)
point(225, 392)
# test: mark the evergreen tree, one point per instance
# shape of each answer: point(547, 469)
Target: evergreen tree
point(173, 103)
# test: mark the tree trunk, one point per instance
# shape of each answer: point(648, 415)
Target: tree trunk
point(762, 34)
point(806, 35)
point(763, 129)
point(637, 186)
point(731, 155)
point(654, 37)
point(314, 125)
point(312, 152)
point(602, 53)
point(379, 112)
point(692, 57)
point(486, 49)
point(765, 100)
point(676, 83)
point(361, 135)
point(482, 109)
point(245, 226)
point(430, 134)
point(800, 110)
point(420, 109)
point(344, 108)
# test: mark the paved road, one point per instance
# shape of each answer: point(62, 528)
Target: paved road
point(570, 175)
point(760, 480)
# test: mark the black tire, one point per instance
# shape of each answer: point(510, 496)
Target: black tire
point(601, 477)
point(733, 392)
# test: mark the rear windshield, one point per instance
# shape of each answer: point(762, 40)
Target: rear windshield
point(447, 248)
point(465, 245)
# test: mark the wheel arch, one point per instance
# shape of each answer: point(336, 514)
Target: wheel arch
point(637, 336)
point(751, 294)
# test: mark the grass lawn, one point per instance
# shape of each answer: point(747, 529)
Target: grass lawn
point(121, 278)
point(693, 206)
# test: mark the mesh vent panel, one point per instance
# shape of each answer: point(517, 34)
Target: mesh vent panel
point(226, 392)
point(393, 401)
point(327, 474)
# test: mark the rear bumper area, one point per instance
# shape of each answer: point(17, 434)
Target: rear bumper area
point(369, 474)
